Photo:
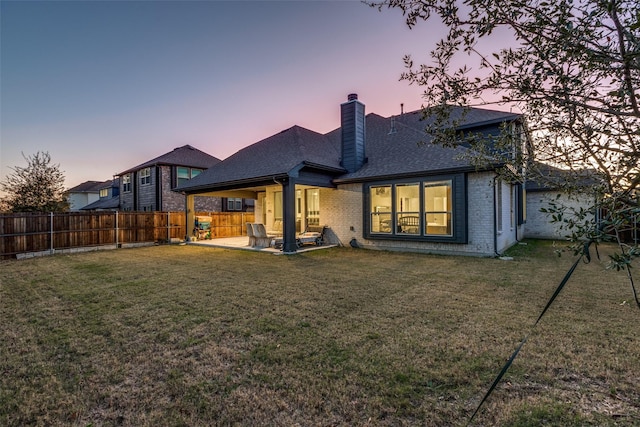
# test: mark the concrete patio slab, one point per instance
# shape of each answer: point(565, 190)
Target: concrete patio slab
point(242, 243)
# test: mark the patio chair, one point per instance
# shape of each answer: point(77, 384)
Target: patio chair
point(252, 237)
point(312, 235)
point(260, 234)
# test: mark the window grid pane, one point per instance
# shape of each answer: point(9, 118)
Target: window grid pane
point(126, 183)
point(182, 174)
point(313, 206)
point(381, 219)
point(438, 208)
point(145, 176)
point(408, 209)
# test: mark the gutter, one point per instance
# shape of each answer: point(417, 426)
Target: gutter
point(324, 168)
point(409, 175)
point(514, 117)
point(495, 220)
point(222, 185)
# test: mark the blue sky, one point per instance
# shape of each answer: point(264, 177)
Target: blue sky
point(104, 86)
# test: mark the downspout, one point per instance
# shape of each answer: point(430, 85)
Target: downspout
point(520, 202)
point(495, 219)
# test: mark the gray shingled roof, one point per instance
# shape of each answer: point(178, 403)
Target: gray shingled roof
point(110, 203)
point(469, 117)
point(273, 156)
point(182, 156)
point(400, 153)
point(89, 187)
point(388, 154)
point(543, 177)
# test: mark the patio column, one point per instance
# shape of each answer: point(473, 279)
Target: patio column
point(189, 210)
point(289, 216)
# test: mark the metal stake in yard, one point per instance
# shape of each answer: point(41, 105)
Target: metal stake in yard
point(51, 250)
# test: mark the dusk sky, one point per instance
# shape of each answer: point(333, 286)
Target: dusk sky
point(104, 86)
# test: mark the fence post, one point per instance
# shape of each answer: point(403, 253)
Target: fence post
point(169, 227)
point(51, 250)
point(117, 245)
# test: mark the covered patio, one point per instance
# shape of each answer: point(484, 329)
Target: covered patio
point(242, 243)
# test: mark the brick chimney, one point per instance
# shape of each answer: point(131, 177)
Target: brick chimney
point(353, 133)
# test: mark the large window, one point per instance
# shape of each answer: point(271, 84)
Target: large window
point(126, 183)
point(380, 209)
point(437, 208)
point(408, 208)
point(145, 176)
point(184, 174)
point(313, 206)
point(277, 205)
point(426, 209)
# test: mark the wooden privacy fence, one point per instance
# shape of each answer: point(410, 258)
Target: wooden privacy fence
point(50, 232)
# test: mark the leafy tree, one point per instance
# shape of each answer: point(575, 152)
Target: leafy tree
point(572, 67)
point(39, 187)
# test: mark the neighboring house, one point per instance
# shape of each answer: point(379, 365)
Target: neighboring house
point(374, 185)
point(545, 187)
point(149, 186)
point(109, 197)
point(83, 194)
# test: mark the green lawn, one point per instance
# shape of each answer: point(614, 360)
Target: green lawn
point(184, 335)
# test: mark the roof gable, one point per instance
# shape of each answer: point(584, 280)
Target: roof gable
point(89, 187)
point(274, 156)
point(182, 156)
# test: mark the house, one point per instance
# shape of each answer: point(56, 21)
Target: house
point(374, 185)
point(109, 197)
point(83, 194)
point(546, 186)
point(149, 186)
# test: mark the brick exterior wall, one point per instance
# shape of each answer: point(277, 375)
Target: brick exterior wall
point(342, 209)
point(170, 200)
point(539, 225)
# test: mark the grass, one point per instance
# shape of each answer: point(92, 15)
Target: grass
point(183, 335)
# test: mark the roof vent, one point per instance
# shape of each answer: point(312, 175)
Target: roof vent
point(393, 126)
point(352, 97)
